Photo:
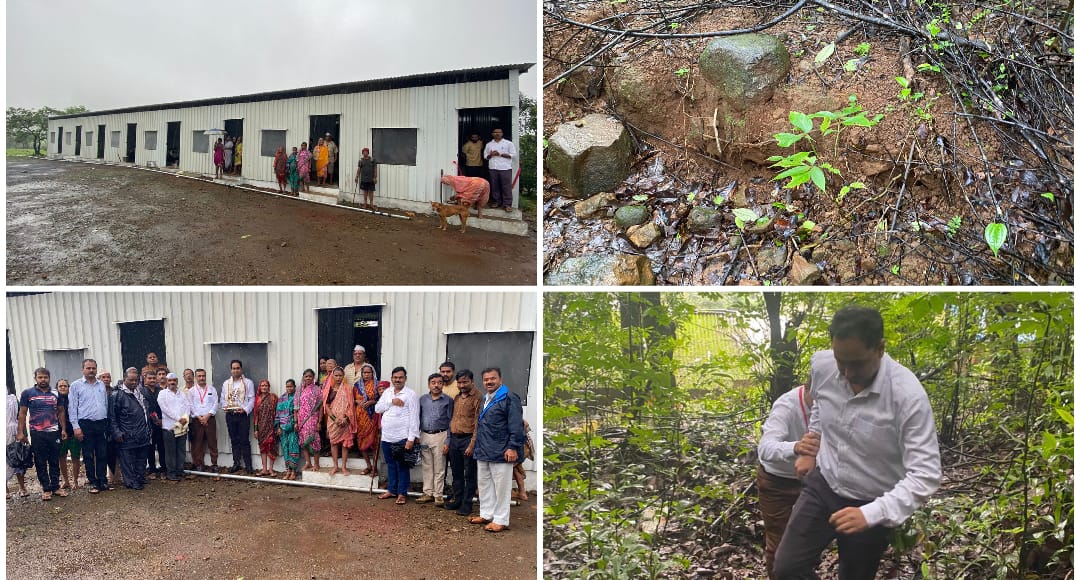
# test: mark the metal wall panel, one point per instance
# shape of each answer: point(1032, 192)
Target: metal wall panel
point(432, 110)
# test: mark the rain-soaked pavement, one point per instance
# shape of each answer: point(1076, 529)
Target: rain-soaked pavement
point(82, 224)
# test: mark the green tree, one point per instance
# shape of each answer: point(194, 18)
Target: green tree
point(32, 125)
point(527, 145)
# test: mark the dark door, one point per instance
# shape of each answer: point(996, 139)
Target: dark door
point(130, 143)
point(78, 140)
point(101, 141)
point(10, 369)
point(172, 145)
point(59, 140)
point(341, 329)
point(320, 126)
point(483, 121)
point(512, 352)
point(138, 339)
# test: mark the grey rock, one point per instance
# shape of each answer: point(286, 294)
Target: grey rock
point(643, 236)
point(770, 256)
point(702, 220)
point(631, 215)
point(596, 204)
point(603, 270)
point(590, 155)
point(745, 68)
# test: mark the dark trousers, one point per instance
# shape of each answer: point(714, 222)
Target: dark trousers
point(175, 449)
point(94, 449)
point(397, 473)
point(239, 428)
point(46, 448)
point(155, 464)
point(474, 171)
point(112, 454)
point(776, 496)
point(133, 466)
point(201, 438)
point(463, 468)
point(809, 533)
point(502, 194)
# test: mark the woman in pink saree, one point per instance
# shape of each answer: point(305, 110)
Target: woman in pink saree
point(303, 166)
point(473, 191)
point(308, 414)
point(340, 419)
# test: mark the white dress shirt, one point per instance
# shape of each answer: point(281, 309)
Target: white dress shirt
point(399, 422)
point(786, 424)
point(879, 445)
point(506, 148)
point(173, 406)
point(203, 401)
point(234, 386)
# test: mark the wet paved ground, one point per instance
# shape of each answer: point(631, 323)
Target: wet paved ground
point(228, 529)
point(82, 224)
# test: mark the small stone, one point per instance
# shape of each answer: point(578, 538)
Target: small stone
point(590, 156)
point(735, 241)
point(590, 207)
point(631, 215)
point(643, 236)
point(867, 264)
point(803, 273)
point(771, 256)
point(603, 270)
point(738, 197)
point(702, 220)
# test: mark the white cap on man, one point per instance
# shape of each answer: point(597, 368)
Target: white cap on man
point(359, 348)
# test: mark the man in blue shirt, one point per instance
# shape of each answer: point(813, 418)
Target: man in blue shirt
point(435, 412)
point(499, 441)
point(89, 415)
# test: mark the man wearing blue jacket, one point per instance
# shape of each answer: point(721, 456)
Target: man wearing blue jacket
point(499, 441)
point(130, 428)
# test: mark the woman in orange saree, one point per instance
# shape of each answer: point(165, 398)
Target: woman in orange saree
point(322, 160)
point(340, 419)
point(367, 422)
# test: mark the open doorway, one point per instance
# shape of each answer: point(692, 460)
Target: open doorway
point(172, 144)
point(78, 140)
point(138, 339)
point(483, 121)
point(341, 329)
point(130, 156)
point(235, 129)
point(320, 126)
point(59, 140)
point(101, 141)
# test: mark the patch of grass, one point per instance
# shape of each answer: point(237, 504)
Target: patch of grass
point(527, 205)
point(20, 152)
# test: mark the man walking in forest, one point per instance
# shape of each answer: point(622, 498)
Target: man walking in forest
point(869, 459)
point(778, 485)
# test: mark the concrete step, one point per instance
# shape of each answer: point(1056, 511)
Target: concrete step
point(353, 480)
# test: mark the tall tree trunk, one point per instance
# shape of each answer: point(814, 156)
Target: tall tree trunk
point(647, 341)
point(783, 349)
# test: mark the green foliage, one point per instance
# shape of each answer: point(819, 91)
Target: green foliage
point(954, 226)
point(29, 127)
point(682, 72)
point(862, 49)
point(527, 118)
point(996, 234)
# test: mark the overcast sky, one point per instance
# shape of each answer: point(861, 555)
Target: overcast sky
point(113, 53)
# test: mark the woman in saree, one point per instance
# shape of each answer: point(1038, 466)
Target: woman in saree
point(303, 166)
point(470, 191)
point(285, 418)
point(367, 422)
point(308, 415)
point(229, 148)
point(238, 156)
point(265, 431)
point(219, 159)
point(292, 172)
point(281, 168)
point(340, 419)
point(322, 161)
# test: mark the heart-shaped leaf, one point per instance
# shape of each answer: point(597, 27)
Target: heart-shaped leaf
point(801, 121)
point(995, 235)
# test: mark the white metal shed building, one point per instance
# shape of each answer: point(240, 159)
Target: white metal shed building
point(277, 335)
point(414, 125)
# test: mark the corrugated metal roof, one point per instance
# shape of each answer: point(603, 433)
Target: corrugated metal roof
point(418, 80)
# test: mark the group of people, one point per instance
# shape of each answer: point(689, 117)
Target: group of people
point(499, 155)
point(141, 427)
point(848, 456)
point(228, 156)
point(296, 168)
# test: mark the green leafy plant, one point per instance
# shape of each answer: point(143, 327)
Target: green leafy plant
point(995, 235)
point(744, 216)
point(640, 197)
point(862, 49)
point(847, 189)
point(954, 226)
point(682, 72)
point(1047, 195)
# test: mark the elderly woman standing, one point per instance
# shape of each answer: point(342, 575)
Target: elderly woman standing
point(308, 415)
point(219, 158)
point(281, 168)
point(293, 172)
point(230, 148)
point(303, 166)
point(285, 420)
point(322, 161)
point(340, 420)
point(367, 423)
point(265, 427)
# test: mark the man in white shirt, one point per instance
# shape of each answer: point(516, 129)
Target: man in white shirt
point(204, 402)
point(500, 154)
point(777, 484)
point(238, 401)
point(175, 409)
point(400, 408)
point(870, 457)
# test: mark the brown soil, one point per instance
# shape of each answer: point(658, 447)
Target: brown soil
point(859, 240)
point(227, 529)
point(81, 224)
